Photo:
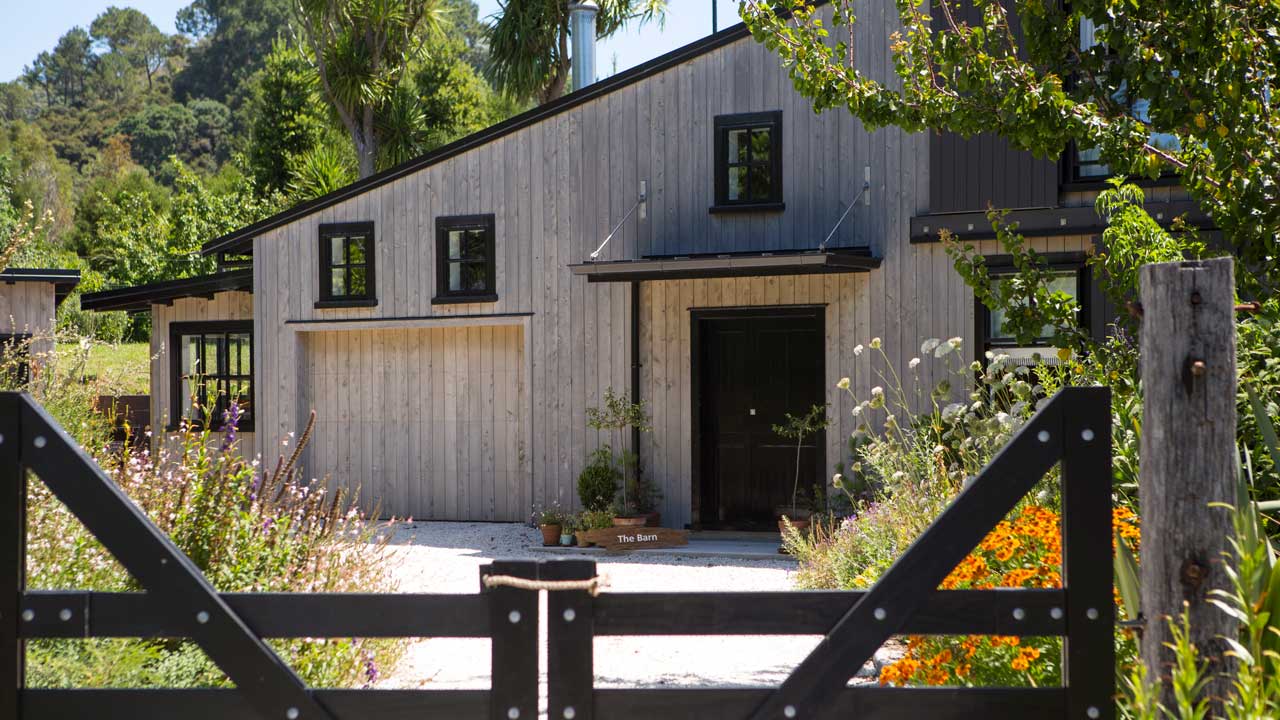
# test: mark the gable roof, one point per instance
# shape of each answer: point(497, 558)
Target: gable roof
point(64, 281)
point(241, 240)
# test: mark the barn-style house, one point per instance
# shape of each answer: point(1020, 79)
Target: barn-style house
point(688, 232)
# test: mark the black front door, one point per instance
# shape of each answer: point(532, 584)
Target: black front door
point(753, 367)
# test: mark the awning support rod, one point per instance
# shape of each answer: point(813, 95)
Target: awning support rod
point(639, 202)
point(866, 185)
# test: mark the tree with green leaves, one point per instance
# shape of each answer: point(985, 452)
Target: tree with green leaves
point(361, 49)
point(454, 99)
point(1178, 85)
point(230, 42)
point(158, 131)
point(131, 35)
point(286, 118)
point(529, 42)
point(64, 71)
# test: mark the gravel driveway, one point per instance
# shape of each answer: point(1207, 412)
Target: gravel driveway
point(445, 558)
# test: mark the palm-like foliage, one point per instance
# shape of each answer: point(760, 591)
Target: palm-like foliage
point(319, 171)
point(529, 42)
point(361, 49)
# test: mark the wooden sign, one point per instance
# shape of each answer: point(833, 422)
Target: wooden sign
point(617, 539)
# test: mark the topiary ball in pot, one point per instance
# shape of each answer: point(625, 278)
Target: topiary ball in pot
point(598, 482)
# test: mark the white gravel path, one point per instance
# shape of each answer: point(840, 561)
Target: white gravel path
point(445, 558)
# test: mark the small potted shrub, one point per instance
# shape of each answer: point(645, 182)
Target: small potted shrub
point(613, 418)
point(550, 522)
point(598, 481)
point(798, 427)
point(645, 496)
point(593, 520)
point(566, 531)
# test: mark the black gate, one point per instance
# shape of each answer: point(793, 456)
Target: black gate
point(1073, 427)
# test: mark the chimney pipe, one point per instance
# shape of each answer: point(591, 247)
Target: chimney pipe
point(582, 28)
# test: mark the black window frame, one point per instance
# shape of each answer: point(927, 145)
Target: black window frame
point(12, 344)
point(1072, 181)
point(449, 223)
point(1002, 265)
point(328, 299)
point(177, 398)
point(772, 120)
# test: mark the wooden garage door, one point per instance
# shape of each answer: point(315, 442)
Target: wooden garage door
point(425, 422)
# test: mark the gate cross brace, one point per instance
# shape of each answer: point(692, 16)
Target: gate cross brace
point(810, 691)
point(169, 576)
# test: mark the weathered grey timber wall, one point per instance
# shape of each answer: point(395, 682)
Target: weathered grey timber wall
point(28, 308)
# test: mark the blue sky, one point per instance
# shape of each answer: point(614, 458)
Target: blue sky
point(39, 25)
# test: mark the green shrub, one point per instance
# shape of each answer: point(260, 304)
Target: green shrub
point(911, 462)
point(595, 520)
point(598, 482)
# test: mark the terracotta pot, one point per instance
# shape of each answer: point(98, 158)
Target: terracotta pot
point(796, 523)
point(550, 534)
point(653, 519)
point(630, 521)
point(582, 540)
point(789, 512)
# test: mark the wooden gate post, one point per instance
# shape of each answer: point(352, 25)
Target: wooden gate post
point(1188, 360)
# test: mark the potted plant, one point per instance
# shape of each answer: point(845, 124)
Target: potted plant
point(617, 415)
point(550, 522)
point(566, 531)
point(593, 520)
point(798, 427)
point(645, 496)
point(598, 481)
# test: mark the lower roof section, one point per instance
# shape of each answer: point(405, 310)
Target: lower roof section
point(1041, 222)
point(142, 297)
point(729, 265)
point(64, 281)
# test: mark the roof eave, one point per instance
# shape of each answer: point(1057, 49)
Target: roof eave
point(140, 298)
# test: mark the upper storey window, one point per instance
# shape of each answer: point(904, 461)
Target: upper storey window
point(748, 162)
point(346, 265)
point(465, 267)
point(1086, 162)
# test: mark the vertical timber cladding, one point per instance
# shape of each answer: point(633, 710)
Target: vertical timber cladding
point(666, 361)
point(423, 422)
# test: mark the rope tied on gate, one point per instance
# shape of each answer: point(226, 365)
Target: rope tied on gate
point(591, 585)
